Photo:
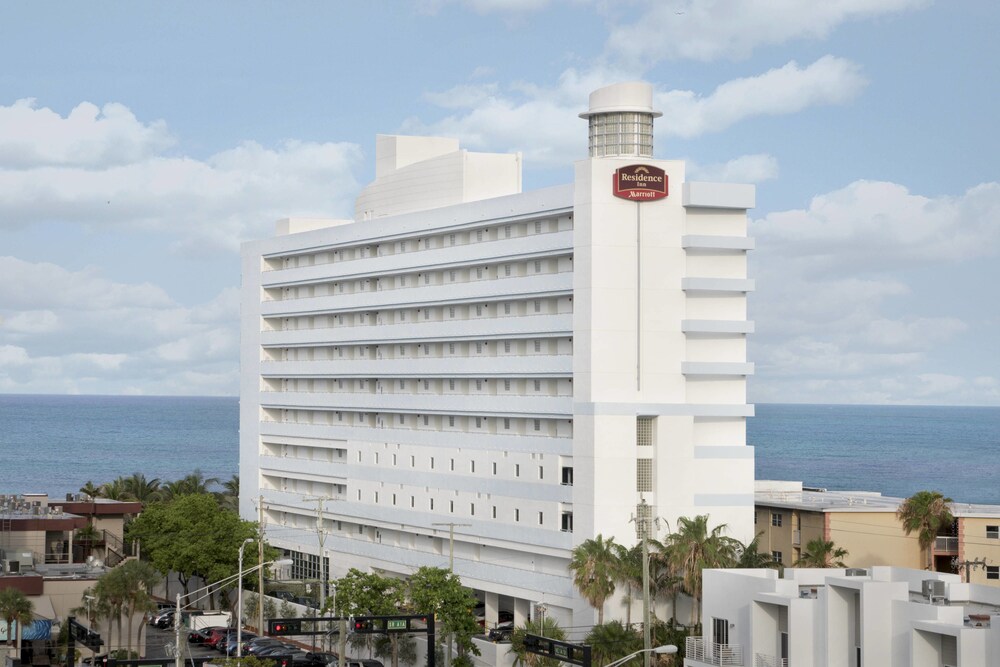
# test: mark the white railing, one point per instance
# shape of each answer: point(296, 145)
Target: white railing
point(725, 655)
point(762, 660)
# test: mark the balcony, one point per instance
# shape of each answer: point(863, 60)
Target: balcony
point(762, 660)
point(946, 545)
point(696, 648)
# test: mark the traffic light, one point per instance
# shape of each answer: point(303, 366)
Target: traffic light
point(363, 626)
point(286, 626)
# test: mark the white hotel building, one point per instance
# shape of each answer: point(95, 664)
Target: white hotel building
point(525, 366)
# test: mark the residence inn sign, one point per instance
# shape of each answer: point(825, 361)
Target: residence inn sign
point(640, 182)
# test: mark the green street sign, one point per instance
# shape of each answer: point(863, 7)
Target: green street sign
point(395, 624)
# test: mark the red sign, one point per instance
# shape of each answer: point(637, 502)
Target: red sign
point(640, 182)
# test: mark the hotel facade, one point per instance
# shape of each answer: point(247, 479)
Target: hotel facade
point(473, 373)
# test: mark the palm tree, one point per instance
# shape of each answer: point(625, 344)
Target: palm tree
point(114, 490)
point(229, 497)
point(137, 579)
point(193, 483)
point(752, 558)
point(139, 488)
point(611, 641)
point(663, 577)
point(15, 607)
point(822, 553)
point(546, 627)
point(593, 565)
point(926, 513)
point(628, 572)
point(694, 548)
point(90, 489)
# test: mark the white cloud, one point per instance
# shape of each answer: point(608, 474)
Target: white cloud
point(837, 297)
point(785, 90)
point(88, 136)
point(67, 331)
point(540, 122)
point(486, 6)
point(743, 169)
point(119, 177)
point(708, 30)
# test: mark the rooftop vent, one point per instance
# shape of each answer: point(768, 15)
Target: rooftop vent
point(855, 572)
point(933, 589)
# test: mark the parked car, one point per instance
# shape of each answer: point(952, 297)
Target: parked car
point(257, 644)
point(217, 635)
point(314, 660)
point(164, 619)
point(230, 647)
point(502, 633)
point(202, 635)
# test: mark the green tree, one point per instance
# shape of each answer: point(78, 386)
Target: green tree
point(111, 591)
point(193, 484)
point(925, 513)
point(438, 591)
point(91, 489)
point(370, 594)
point(663, 577)
point(611, 641)
point(15, 607)
point(546, 628)
point(594, 564)
point(822, 553)
point(695, 547)
point(190, 536)
point(114, 490)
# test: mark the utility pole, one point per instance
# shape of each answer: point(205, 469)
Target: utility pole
point(321, 538)
point(643, 518)
point(260, 561)
point(451, 568)
point(968, 565)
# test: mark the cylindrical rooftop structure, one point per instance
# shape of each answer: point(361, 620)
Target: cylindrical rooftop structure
point(621, 120)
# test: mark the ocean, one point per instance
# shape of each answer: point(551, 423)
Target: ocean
point(55, 444)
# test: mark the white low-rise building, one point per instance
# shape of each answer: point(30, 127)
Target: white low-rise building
point(517, 369)
point(880, 616)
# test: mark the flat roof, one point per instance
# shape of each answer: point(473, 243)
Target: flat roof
point(796, 496)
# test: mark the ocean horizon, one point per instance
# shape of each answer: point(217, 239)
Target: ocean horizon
point(54, 443)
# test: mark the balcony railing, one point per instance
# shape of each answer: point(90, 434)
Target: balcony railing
point(762, 660)
point(946, 544)
point(726, 655)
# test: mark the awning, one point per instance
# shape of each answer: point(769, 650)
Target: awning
point(41, 627)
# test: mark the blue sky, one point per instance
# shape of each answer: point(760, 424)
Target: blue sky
point(141, 143)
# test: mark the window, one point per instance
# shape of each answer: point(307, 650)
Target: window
point(451, 312)
point(451, 420)
point(538, 385)
point(479, 311)
point(432, 468)
point(506, 385)
point(775, 519)
point(494, 465)
point(538, 266)
point(538, 424)
point(567, 522)
point(567, 475)
point(506, 311)
point(506, 347)
point(432, 503)
point(517, 514)
point(644, 475)
point(451, 276)
point(541, 518)
point(517, 470)
point(993, 572)
point(538, 346)
point(993, 532)
point(538, 306)
point(538, 227)
point(494, 511)
point(451, 239)
point(506, 423)
point(451, 465)
point(451, 349)
point(506, 270)
point(506, 234)
point(472, 509)
point(472, 466)
point(451, 506)
point(479, 235)
point(776, 556)
point(451, 385)
point(479, 385)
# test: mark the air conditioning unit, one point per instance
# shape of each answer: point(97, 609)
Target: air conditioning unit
point(12, 566)
point(855, 572)
point(933, 589)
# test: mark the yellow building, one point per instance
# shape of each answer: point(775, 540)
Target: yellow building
point(788, 516)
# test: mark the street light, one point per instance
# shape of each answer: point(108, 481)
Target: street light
point(666, 649)
point(239, 603)
point(178, 659)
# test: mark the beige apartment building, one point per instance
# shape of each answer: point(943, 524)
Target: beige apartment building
point(788, 516)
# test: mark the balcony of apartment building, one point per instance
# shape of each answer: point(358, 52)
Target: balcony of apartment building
point(945, 549)
point(706, 652)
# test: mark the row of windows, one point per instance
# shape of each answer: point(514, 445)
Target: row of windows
point(377, 458)
point(459, 312)
point(556, 428)
point(348, 253)
point(432, 350)
point(393, 281)
point(566, 518)
point(459, 386)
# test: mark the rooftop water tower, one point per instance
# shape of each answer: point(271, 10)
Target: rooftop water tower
point(621, 120)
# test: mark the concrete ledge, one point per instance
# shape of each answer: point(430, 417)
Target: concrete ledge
point(719, 195)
